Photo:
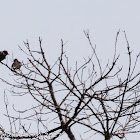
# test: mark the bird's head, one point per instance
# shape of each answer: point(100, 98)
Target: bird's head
point(15, 60)
point(5, 52)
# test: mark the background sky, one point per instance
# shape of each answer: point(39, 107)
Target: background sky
point(62, 19)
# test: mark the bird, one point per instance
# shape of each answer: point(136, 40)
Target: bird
point(16, 64)
point(3, 55)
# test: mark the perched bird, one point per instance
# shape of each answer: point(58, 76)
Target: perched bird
point(16, 64)
point(3, 55)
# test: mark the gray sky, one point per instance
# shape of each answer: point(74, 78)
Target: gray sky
point(60, 19)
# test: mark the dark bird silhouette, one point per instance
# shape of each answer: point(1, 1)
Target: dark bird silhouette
point(3, 55)
point(16, 64)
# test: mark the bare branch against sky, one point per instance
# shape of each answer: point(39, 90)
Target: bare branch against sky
point(68, 84)
point(99, 98)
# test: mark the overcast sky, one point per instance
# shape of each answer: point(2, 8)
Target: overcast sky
point(54, 20)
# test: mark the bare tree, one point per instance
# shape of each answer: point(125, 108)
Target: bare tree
point(95, 97)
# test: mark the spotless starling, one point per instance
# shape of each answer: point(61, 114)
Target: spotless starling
point(16, 64)
point(3, 55)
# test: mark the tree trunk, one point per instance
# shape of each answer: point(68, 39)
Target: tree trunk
point(107, 136)
point(70, 134)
